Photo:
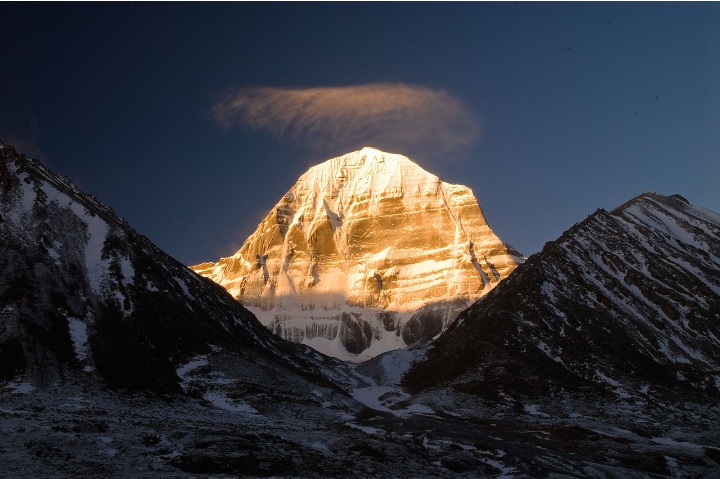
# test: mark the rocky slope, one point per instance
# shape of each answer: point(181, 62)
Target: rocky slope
point(601, 352)
point(366, 253)
point(82, 295)
point(626, 302)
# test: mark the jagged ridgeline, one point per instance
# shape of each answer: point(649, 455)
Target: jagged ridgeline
point(366, 253)
point(626, 301)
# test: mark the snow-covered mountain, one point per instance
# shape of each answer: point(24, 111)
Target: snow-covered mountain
point(83, 295)
point(366, 253)
point(626, 301)
point(117, 361)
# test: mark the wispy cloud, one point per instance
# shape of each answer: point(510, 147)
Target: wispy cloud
point(377, 114)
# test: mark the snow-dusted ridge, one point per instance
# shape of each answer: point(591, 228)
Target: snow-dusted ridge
point(623, 299)
point(82, 292)
point(366, 253)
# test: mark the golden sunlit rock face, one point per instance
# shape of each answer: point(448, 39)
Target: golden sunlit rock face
point(367, 250)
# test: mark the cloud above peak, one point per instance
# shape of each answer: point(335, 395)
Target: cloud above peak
point(399, 116)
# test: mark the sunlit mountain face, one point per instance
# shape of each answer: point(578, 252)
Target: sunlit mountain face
point(366, 253)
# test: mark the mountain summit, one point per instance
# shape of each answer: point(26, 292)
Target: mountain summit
point(366, 253)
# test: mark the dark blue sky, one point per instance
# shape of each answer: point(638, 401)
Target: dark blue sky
point(580, 106)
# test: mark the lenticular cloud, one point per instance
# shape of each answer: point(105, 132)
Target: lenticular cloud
point(390, 115)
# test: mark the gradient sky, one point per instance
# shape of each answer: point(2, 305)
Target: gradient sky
point(547, 111)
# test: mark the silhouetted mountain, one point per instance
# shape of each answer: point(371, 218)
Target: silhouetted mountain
point(626, 302)
point(82, 293)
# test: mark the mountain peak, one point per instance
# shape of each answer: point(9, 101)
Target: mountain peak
point(657, 197)
point(357, 247)
point(368, 159)
point(373, 153)
point(366, 171)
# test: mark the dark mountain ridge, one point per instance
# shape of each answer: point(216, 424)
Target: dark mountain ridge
point(626, 302)
point(82, 293)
